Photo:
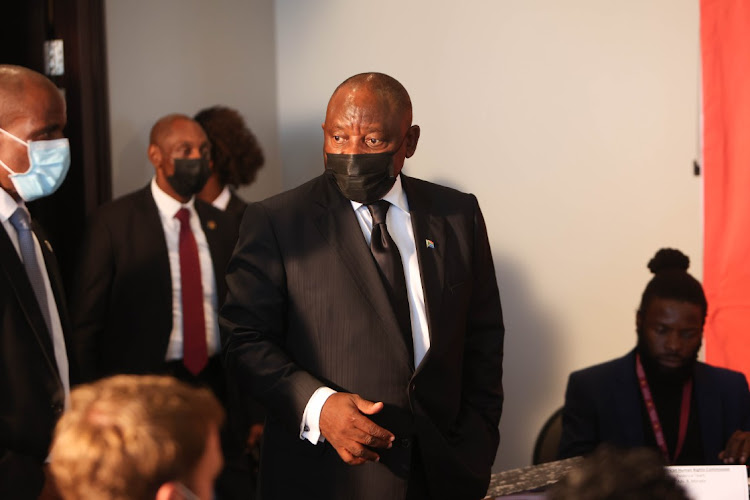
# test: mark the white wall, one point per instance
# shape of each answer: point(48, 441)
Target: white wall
point(170, 56)
point(575, 124)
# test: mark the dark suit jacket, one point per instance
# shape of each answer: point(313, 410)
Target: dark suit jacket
point(122, 300)
point(31, 391)
point(236, 207)
point(603, 404)
point(307, 307)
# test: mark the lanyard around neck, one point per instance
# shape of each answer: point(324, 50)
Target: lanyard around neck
point(687, 390)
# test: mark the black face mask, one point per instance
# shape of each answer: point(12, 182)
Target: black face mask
point(364, 178)
point(190, 175)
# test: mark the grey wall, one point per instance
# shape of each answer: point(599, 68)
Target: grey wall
point(574, 123)
point(170, 56)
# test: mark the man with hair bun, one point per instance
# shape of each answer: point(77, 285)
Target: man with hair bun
point(659, 395)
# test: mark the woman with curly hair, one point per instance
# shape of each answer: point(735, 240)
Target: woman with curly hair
point(236, 156)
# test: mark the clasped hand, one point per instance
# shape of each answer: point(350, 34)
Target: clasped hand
point(344, 425)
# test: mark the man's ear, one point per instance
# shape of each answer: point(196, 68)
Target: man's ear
point(167, 491)
point(412, 138)
point(154, 155)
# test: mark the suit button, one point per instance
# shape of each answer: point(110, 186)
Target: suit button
point(413, 386)
point(405, 443)
point(57, 408)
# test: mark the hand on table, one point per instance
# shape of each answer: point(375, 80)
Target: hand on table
point(344, 425)
point(737, 450)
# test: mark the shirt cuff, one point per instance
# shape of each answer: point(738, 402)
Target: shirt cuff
point(310, 427)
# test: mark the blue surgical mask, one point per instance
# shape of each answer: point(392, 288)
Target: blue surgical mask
point(48, 165)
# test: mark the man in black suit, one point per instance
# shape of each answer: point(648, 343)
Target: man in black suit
point(375, 348)
point(151, 271)
point(34, 366)
point(127, 302)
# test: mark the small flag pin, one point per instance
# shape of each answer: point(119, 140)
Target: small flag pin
point(429, 243)
point(211, 224)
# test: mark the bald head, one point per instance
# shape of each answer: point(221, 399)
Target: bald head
point(17, 85)
point(163, 127)
point(384, 87)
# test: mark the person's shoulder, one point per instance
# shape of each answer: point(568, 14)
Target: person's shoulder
point(206, 209)
point(422, 186)
point(604, 370)
point(123, 204)
point(439, 199)
point(295, 197)
point(718, 372)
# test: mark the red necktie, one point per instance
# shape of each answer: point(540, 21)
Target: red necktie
point(194, 350)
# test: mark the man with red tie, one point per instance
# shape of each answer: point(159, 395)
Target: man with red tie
point(151, 273)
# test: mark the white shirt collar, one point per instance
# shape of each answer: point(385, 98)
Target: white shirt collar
point(8, 205)
point(396, 196)
point(167, 205)
point(222, 200)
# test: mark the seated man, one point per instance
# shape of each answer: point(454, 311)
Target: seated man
point(659, 395)
point(138, 437)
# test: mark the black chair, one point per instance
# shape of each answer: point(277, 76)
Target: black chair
point(548, 441)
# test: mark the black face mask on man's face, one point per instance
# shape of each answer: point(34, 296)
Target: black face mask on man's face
point(190, 175)
point(364, 178)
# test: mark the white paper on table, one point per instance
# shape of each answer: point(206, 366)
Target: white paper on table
point(712, 482)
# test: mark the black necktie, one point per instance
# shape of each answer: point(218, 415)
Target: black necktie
point(387, 256)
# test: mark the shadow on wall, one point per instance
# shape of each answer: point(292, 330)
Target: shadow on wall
point(135, 170)
point(302, 150)
point(531, 340)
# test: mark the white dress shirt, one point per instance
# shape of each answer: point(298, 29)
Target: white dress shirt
point(398, 220)
point(222, 200)
point(168, 207)
point(7, 207)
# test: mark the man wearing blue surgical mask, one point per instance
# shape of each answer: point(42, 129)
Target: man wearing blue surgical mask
point(150, 277)
point(34, 368)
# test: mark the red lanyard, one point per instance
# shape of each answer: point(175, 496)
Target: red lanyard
point(687, 390)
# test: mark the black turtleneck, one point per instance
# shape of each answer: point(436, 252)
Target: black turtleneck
point(666, 390)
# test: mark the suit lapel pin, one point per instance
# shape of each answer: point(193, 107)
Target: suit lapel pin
point(211, 225)
point(429, 243)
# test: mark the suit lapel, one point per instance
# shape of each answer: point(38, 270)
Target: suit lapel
point(212, 231)
point(19, 282)
point(428, 229)
point(629, 414)
point(339, 226)
point(151, 244)
point(707, 402)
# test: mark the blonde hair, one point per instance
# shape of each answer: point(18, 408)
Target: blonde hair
point(126, 435)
